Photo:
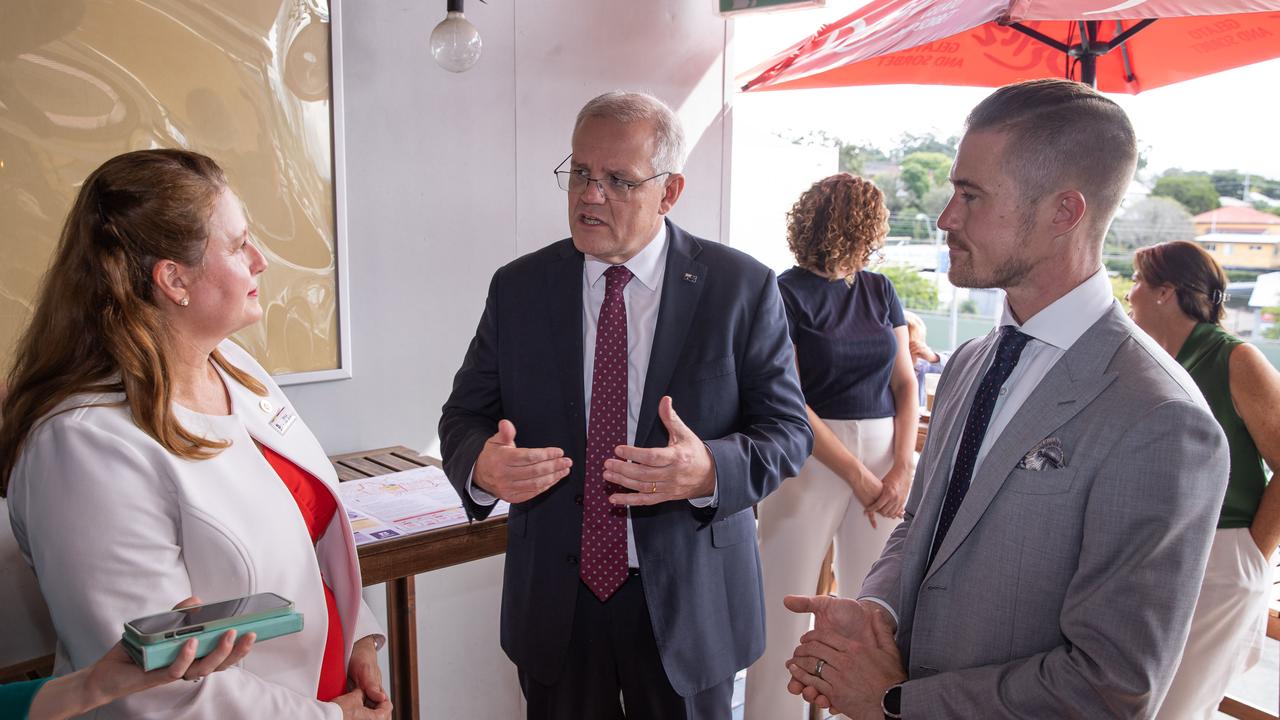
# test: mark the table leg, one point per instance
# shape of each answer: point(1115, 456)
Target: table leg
point(402, 647)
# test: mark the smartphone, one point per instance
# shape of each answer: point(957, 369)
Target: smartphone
point(163, 653)
point(154, 641)
point(177, 624)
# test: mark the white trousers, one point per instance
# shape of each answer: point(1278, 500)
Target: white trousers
point(1227, 629)
point(797, 523)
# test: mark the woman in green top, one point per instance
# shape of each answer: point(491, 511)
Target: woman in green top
point(1177, 298)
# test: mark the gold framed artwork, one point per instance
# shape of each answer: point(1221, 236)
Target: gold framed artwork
point(254, 84)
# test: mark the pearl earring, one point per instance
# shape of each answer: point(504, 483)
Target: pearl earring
point(185, 301)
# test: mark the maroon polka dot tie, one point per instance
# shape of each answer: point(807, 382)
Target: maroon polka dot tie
point(604, 525)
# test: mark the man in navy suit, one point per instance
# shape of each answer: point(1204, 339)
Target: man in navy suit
point(652, 383)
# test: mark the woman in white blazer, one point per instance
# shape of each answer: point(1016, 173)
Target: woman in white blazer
point(132, 450)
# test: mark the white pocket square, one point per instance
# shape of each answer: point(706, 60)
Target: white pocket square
point(1045, 454)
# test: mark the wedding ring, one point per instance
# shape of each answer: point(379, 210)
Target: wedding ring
point(818, 670)
point(653, 488)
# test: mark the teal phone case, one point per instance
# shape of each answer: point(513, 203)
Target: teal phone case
point(162, 654)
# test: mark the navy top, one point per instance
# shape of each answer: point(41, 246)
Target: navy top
point(844, 341)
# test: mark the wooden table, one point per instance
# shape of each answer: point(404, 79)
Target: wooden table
point(395, 562)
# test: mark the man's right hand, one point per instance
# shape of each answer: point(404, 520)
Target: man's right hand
point(851, 619)
point(517, 474)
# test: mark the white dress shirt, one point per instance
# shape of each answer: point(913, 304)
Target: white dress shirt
point(1053, 331)
point(642, 297)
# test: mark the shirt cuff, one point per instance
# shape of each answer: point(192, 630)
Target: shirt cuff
point(882, 604)
point(712, 500)
point(478, 496)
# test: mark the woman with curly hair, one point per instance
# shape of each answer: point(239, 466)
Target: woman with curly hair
point(1177, 298)
point(859, 385)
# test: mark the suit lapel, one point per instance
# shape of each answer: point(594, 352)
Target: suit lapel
point(1073, 382)
point(564, 316)
point(296, 443)
point(945, 427)
point(680, 297)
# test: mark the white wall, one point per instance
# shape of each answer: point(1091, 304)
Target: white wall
point(449, 177)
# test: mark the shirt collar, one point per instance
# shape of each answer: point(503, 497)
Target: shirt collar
point(1067, 318)
point(647, 266)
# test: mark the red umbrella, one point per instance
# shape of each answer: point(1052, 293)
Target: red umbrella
point(1119, 46)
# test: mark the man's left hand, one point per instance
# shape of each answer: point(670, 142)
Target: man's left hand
point(363, 671)
point(680, 471)
point(855, 675)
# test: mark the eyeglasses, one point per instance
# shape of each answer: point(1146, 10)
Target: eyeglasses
point(613, 188)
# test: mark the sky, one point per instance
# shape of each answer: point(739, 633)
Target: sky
point(1229, 120)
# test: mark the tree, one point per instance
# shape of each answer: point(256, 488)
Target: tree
point(914, 291)
point(928, 142)
point(1194, 191)
point(853, 157)
point(920, 172)
point(1151, 220)
point(1228, 183)
point(893, 199)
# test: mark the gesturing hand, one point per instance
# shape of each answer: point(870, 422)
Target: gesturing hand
point(681, 470)
point(517, 474)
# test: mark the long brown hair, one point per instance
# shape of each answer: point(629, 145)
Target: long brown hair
point(97, 328)
point(837, 224)
point(1196, 278)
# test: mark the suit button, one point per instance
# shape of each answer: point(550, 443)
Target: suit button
point(571, 559)
point(577, 499)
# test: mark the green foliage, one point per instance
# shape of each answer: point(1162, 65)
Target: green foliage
point(920, 172)
point(1240, 275)
point(968, 307)
point(926, 143)
point(1194, 191)
point(1272, 331)
point(916, 292)
point(1122, 266)
point(853, 157)
point(1120, 286)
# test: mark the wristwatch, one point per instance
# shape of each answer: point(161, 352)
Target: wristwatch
point(891, 703)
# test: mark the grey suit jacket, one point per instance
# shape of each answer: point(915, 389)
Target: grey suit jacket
point(1059, 592)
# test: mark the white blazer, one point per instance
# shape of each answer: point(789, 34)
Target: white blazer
point(117, 527)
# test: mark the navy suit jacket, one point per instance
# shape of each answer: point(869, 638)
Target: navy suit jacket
point(722, 352)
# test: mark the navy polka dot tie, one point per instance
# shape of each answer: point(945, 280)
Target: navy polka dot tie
point(975, 427)
point(604, 525)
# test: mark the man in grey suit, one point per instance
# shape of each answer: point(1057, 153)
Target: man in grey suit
point(1057, 531)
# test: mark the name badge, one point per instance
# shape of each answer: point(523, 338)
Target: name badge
point(283, 419)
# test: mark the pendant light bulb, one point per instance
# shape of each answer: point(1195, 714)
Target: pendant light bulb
point(455, 42)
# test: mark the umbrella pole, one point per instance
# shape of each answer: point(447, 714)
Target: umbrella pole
point(1089, 70)
point(1089, 53)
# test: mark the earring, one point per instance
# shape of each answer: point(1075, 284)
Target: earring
point(185, 301)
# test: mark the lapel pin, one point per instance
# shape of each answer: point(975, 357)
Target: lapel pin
point(265, 404)
point(690, 278)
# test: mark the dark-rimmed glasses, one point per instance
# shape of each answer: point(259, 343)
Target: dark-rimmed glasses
point(612, 188)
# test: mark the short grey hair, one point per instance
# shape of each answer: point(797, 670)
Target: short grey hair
point(628, 107)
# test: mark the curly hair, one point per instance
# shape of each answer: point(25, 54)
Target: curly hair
point(837, 224)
